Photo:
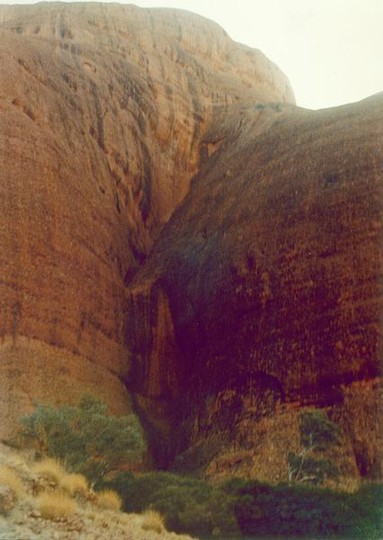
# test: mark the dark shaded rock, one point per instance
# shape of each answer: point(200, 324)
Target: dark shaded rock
point(272, 272)
point(103, 108)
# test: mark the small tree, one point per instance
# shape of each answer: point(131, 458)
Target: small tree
point(318, 434)
point(85, 438)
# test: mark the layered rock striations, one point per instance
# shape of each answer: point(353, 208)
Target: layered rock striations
point(176, 235)
point(270, 276)
point(102, 110)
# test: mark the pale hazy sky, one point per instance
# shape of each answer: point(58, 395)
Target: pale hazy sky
point(331, 50)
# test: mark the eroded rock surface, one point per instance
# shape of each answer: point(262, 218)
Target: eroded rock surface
point(102, 111)
point(262, 293)
point(271, 272)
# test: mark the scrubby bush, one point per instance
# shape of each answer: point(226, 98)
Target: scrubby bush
point(318, 434)
point(49, 469)
point(74, 484)
point(109, 499)
point(297, 510)
point(56, 505)
point(192, 506)
point(11, 489)
point(11, 479)
point(188, 505)
point(314, 470)
point(317, 430)
point(85, 438)
point(153, 521)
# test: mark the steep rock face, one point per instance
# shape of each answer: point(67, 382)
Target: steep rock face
point(262, 295)
point(102, 109)
point(271, 272)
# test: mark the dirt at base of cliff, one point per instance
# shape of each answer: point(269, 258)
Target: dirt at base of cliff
point(21, 518)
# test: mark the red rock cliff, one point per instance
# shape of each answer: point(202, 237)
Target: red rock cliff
point(272, 271)
point(102, 111)
point(222, 305)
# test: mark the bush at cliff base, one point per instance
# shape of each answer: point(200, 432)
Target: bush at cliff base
point(246, 507)
point(288, 510)
point(189, 505)
point(86, 439)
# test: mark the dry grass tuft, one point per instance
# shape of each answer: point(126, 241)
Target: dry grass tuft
point(74, 484)
point(56, 505)
point(109, 499)
point(126, 519)
point(153, 521)
point(50, 469)
point(9, 478)
point(346, 485)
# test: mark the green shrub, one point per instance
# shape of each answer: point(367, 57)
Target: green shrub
point(318, 434)
point(311, 469)
point(193, 506)
point(188, 505)
point(366, 512)
point(317, 430)
point(85, 438)
point(297, 510)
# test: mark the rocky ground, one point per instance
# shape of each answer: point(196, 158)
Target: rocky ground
point(21, 517)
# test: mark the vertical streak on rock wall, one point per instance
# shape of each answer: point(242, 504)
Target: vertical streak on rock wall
point(152, 339)
point(273, 269)
point(102, 108)
point(163, 376)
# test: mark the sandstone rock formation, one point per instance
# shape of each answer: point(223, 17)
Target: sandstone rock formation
point(267, 285)
point(102, 111)
point(218, 306)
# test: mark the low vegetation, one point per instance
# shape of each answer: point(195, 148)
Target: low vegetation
point(189, 505)
point(85, 438)
point(109, 499)
point(74, 448)
point(74, 484)
point(49, 469)
point(83, 448)
point(153, 521)
point(318, 435)
point(56, 505)
point(61, 506)
point(238, 506)
point(9, 478)
point(299, 510)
